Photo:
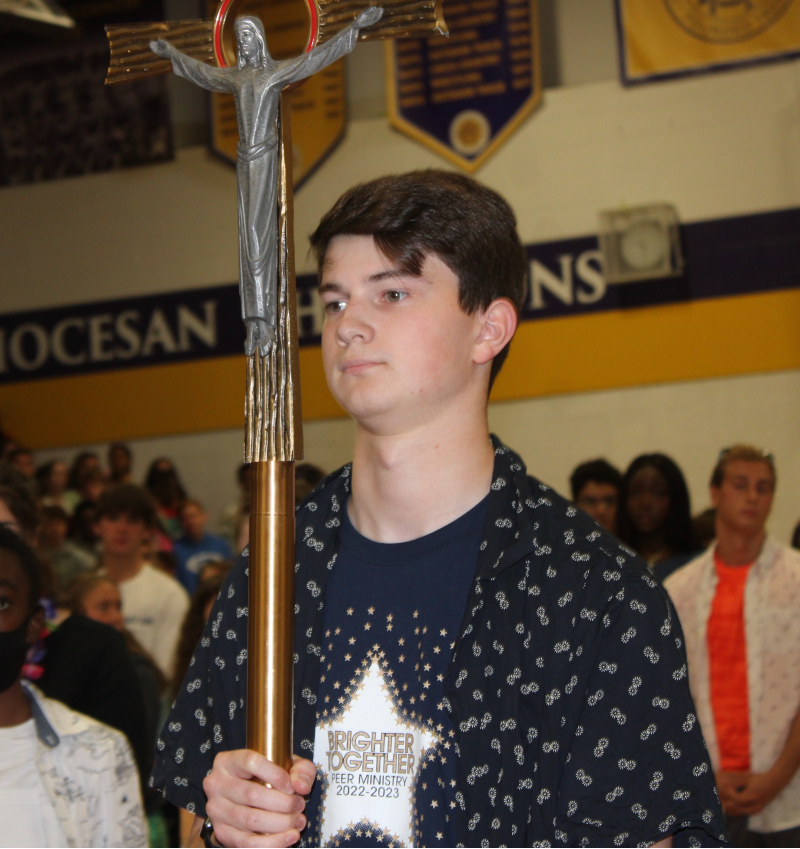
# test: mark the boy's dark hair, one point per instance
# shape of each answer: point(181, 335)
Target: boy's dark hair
point(127, 499)
point(53, 511)
point(120, 446)
point(678, 528)
point(13, 544)
point(599, 471)
point(466, 225)
point(241, 473)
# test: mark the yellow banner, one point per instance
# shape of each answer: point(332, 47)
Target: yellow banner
point(663, 38)
point(688, 341)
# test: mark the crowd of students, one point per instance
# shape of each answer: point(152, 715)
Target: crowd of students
point(127, 575)
point(737, 594)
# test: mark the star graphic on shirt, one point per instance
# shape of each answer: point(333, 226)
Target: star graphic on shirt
point(401, 641)
point(443, 632)
point(416, 613)
point(347, 656)
point(349, 611)
point(372, 705)
point(370, 610)
point(367, 626)
point(352, 641)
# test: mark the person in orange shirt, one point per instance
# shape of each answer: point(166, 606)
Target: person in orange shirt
point(738, 604)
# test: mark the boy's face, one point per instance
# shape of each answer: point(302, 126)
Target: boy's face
point(193, 521)
point(122, 534)
point(744, 498)
point(601, 501)
point(397, 349)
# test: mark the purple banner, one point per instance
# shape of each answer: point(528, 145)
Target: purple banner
point(464, 95)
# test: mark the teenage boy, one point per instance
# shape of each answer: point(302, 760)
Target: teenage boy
point(154, 604)
point(476, 662)
point(738, 604)
point(65, 779)
point(595, 487)
point(197, 546)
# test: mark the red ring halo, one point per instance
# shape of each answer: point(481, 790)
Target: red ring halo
point(228, 8)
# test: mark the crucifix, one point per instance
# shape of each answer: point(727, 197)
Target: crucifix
point(230, 54)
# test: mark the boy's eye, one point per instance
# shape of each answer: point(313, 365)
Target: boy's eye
point(5, 603)
point(393, 296)
point(334, 306)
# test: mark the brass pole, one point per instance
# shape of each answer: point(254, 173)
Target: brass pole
point(271, 611)
point(273, 441)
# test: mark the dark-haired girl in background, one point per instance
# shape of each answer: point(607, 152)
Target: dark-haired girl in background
point(51, 480)
point(165, 486)
point(655, 518)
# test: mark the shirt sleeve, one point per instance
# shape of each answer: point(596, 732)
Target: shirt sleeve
point(168, 627)
point(638, 770)
point(208, 715)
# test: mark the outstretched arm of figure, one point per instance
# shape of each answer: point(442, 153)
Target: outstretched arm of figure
point(326, 54)
point(206, 76)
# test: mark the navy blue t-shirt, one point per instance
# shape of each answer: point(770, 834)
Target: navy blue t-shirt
point(384, 743)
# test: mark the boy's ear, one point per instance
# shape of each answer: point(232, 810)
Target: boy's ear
point(498, 322)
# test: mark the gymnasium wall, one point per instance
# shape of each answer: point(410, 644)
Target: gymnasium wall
point(685, 377)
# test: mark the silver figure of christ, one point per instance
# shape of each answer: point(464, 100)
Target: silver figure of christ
point(256, 84)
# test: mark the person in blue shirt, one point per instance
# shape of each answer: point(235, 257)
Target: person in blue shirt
point(196, 547)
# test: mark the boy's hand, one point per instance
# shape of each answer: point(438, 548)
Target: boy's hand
point(245, 813)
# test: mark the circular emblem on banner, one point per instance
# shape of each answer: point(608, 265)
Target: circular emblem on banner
point(470, 132)
point(726, 21)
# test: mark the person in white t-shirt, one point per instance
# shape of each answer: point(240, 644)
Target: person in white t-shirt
point(153, 603)
point(65, 779)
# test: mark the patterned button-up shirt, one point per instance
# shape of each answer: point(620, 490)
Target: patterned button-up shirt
point(89, 775)
point(772, 628)
point(567, 686)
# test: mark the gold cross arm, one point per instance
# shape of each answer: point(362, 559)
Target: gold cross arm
point(212, 42)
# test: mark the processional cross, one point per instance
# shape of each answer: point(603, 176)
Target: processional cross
point(235, 59)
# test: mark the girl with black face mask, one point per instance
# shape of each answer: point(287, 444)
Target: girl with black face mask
point(49, 753)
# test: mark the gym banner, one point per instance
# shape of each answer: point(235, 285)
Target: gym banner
point(730, 256)
point(465, 95)
point(317, 105)
point(57, 118)
point(659, 39)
